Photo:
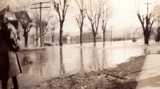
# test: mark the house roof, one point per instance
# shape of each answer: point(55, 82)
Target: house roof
point(23, 15)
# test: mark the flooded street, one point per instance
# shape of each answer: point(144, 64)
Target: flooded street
point(55, 61)
point(93, 44)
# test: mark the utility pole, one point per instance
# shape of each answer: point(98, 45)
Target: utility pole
point(40, 17)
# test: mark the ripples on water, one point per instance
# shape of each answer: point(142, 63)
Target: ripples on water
point(55, 61)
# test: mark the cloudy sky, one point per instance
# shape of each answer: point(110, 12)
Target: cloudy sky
point(123, 12)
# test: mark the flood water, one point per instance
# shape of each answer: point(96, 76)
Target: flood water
point(55, 61)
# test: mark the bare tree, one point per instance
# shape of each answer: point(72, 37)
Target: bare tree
point(105, 17)
point(146, 23)
point(80, 18)
point(94, 15)
point(61, 7)
point(25, 20)
point(104, 25)
point(43, 27)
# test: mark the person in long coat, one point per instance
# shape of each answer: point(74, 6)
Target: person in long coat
point(8, 66)
point(14, 68)
point(4, 55)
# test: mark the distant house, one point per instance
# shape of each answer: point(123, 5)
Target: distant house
point(25, 21)
point(23, 17)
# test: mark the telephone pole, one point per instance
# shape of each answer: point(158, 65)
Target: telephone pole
point(40, 17)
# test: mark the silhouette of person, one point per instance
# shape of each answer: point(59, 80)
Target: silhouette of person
point(4, 56)
point(14, 69)
point(7, 47)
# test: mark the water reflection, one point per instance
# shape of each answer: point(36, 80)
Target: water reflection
point(57, 61)
point(95, 62)
point(62, 67)
point(104, 60)
point(82, 70)
point(35, 63)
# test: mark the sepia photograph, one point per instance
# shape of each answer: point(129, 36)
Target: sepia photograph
point(79, 44)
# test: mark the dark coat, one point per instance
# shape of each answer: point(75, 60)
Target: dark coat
point(14, 67)
point(7, 45)
point(4, 56)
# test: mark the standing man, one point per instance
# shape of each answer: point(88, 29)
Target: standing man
point(13, 61)
point(4, 53)
point(8, 47)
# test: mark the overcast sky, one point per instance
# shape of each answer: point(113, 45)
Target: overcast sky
point(123, 13)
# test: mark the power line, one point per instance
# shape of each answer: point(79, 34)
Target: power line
point(41, 2)
point(40, 7)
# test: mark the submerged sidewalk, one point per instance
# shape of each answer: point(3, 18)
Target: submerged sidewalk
point(149, 78)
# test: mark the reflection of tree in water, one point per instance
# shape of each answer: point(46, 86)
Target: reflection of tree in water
point(82, 70)
point(96, 65)
point(104, 60)
point(62, 68)
point(42, 61)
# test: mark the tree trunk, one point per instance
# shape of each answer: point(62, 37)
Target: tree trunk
point(26, 39)
point(61, 35)
point(41, 37)
point(157, 39)
point(52, 38)
point(94, 38)
point(104, 38)
point(146, 37)
point(82, 70)
point(81, 35)
point(146, 41)
point(36, 36)
point(62, 67)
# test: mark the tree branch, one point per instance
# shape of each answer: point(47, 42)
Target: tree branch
point(104, 25)
point(57, 8)
point(141, 19)
point(151, 24)
point(98, 20)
